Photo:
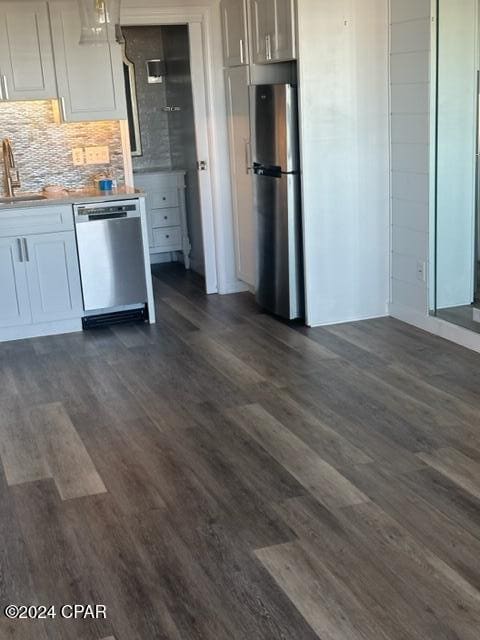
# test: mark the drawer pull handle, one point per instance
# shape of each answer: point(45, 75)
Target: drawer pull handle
point(63, 109)
point(167, 236)
point(165, 217)
point(27, 253)
point(163, 198)
point(5, 93)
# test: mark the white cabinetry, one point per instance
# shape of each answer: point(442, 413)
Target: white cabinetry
point(53, 276)
point(235, 32)
point(14, 299)
point(255, 32)
point(41, 59)
point(89, 78)
point(26, 58)
point(236, 81)
point(273, 30)
point(166, 212)
point(39, 272)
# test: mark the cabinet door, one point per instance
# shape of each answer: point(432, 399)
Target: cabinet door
point(53, 276)
point(89, 78)
point(26, 57)
point(234, 23)
point(242, 186)
point(273, 27)
point(14, 298)
point(283, 39)
point(263, 29)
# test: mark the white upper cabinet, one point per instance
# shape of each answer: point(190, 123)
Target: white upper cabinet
point(89, 78)
point(235, 32)
point(273, 30)
point(26, 58)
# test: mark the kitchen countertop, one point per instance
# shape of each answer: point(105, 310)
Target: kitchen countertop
point(75, 197)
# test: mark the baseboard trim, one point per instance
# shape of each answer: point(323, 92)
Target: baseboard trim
point(160, 258)
point(233, 287)
point(196, 265)
point(437, 326)
point(40, 330)
point(330, 323)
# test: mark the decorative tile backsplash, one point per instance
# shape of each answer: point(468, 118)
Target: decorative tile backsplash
point(43, 147)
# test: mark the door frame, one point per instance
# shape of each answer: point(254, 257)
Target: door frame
point(200, 26)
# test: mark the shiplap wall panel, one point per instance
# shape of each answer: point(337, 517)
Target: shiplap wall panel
point(410, 133)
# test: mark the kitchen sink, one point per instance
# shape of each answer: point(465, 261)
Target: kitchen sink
point(25, 198)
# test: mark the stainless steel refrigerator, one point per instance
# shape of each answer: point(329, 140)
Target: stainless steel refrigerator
point(277, 201)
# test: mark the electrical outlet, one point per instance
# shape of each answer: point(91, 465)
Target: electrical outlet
point(421, 271)
point(97, 155)
point(78, 157)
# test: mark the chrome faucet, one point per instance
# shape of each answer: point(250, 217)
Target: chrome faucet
point(12, 177)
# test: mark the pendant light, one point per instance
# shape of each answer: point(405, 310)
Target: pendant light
point(100, 19)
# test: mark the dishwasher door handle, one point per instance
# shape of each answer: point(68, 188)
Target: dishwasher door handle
point(106, 216)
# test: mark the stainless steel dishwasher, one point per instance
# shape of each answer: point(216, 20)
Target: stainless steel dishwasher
point(112, 265)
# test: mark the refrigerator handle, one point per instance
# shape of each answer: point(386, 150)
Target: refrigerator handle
point(248, 157)
point(268, 47)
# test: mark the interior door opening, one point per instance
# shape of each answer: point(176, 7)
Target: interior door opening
point(165, 116)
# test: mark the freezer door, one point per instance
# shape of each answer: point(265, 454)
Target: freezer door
point(279, 280)
point(275, 126)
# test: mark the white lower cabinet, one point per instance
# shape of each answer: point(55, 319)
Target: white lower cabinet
point(39, 272)
point(53, 276)
point(166, 212)
point(14, 296)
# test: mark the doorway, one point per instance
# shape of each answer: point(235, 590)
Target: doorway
point(167, 142)
point(456, 295)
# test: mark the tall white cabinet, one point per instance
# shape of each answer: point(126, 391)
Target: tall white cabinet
point(236, 81)
point(26, 57)
point(255, 33)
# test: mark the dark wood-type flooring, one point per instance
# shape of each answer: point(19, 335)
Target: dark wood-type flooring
point(224, 476)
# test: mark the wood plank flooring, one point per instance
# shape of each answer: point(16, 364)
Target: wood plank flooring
point(226, 476)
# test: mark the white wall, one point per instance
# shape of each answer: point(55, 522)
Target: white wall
point(410, 134)
point(456, 179)
point(343, 78)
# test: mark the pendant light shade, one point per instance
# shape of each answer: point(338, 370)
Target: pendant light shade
point(99, 20)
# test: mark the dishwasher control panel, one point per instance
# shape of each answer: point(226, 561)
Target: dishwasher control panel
point(123, 208)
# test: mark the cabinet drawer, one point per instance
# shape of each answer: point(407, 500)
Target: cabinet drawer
point(165, 218)
point(166, 198)
point(168, 238)
point(35, 220)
